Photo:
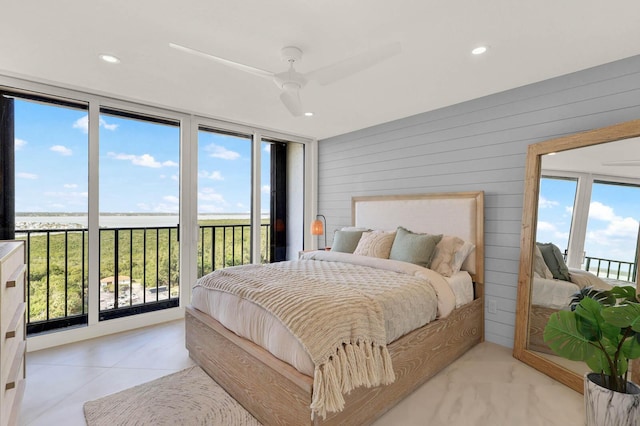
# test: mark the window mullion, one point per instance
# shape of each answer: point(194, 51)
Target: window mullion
point(93, 288)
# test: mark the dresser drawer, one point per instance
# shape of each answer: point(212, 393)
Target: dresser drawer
point(12, 291)
point(10, 407)
point(11, 341)
point(15, 371)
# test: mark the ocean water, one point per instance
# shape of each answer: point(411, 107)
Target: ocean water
point(112, 221)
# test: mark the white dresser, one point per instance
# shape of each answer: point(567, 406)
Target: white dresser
point(12, 329)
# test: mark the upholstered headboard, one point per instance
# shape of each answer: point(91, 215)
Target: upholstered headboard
point(458, 213)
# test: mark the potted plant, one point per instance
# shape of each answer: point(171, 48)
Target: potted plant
point(602, 329)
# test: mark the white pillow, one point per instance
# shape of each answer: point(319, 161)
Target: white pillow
point(450, 254)
point(375, 244)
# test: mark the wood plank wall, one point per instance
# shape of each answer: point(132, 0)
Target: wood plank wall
point(476, 145)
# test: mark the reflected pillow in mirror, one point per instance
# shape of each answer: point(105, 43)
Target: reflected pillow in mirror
point(554, 260)
point(539, 265)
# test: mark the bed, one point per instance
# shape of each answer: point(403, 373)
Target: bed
point(550, 295)
point(275, 392)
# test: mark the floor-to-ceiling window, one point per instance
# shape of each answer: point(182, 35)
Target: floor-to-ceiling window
point(107, 187)
point(51, 165)
point(139, 213)
point(224, 199)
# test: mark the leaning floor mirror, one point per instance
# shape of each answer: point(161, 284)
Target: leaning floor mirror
point(581, 208)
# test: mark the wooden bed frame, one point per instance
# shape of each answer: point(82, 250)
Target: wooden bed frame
point(277, 394)
point(539, 317)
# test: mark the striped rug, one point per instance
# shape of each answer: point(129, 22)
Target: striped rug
point(188, 397)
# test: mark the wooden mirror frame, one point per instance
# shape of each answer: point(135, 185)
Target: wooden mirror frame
point(629, 129)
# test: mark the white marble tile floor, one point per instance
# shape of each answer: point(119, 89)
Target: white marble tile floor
point(486, 386)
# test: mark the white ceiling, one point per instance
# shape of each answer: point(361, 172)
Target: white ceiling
point(619, 158)
point(59, 41)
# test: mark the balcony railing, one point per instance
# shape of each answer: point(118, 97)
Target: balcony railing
point(138, 269)
point(613, 269)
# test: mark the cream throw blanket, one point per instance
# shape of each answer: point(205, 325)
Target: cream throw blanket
point(339, 323)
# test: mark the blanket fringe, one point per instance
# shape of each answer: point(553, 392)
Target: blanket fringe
point(353, 365)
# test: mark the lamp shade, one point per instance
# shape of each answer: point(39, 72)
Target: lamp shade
point(316, 227)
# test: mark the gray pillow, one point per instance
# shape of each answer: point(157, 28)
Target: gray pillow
point(554, 260)
point(414, 248)
point(346, 241)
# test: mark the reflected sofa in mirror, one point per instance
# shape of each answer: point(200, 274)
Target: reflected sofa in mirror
point(562, 247)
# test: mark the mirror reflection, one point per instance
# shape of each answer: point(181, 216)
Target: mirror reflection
point(587, 230)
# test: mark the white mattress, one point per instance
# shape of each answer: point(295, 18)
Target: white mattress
point(254, 323)
point(557, 294)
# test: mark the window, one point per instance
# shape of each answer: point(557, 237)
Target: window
point(139, 213)
point(51, 178)
point(224, 199)
point(555, 210)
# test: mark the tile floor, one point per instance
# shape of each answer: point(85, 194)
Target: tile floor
point(486, 386)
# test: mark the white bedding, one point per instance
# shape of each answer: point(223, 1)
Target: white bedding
point(252, 322)
point(556, 294)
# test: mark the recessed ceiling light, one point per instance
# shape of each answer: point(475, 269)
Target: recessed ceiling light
point(308, 114)
point(479, 50)
point(110, 58)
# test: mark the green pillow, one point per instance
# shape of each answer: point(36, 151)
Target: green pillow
point(346, 241)
point(554, 260)
point(414, 248)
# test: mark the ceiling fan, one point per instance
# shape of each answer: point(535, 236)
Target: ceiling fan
point(291, 81)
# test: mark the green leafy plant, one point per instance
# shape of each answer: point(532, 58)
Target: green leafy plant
point(602, 329)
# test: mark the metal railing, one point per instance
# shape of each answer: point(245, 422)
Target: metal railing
point(138, 269)
point(610, 268)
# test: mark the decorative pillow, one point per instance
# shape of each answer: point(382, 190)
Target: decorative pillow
point(414, 248)
point(346, 241)
point(375, 244)
point(539, 265)
point(450, 254)
point(554, 260)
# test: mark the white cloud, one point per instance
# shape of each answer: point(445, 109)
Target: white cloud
point(107, 126)
point(174, 177)
point(62, 150)
point(546, 226)
point(599, 211)
point(165, 208)
point(543, 203)
point(218, 151)
point(19, 144)
point(24, 175)
point(82, 123)
point(267, 148)
point(70, 185)
point(214, 175)
point(143, 206)
point(209, 194)
point(171, 199)
point(144, 160)
point(266, 189)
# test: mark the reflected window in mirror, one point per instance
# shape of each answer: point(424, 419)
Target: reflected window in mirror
point(555, 210)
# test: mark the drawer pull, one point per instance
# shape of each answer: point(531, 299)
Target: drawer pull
point(15, 321)
point(15, 366)
point(11, 282)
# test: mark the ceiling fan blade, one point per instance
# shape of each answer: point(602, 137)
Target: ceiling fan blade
point(622, 163)
point(348, 67)
point(291, 99)
point(236, 65)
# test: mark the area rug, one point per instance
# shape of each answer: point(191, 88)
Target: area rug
point(188, 397)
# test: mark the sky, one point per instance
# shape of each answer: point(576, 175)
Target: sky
point(138, 167)
point(612, 227)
